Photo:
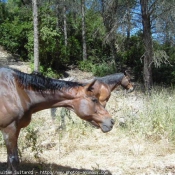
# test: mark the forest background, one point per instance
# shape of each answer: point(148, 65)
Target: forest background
point(101, 36)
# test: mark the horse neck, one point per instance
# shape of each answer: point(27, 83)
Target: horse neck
point(50, 99)
point(112, 81)
point(115, 84)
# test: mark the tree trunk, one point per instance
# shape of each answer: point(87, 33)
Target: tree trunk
point(65, 24)
point(128, 25)
point(36, 35)
point(83, 30)
point(147, 39)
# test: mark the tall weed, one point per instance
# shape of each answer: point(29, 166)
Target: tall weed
point(157, 119)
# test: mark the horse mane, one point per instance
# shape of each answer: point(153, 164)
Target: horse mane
point(111, 79)
point(37, 81)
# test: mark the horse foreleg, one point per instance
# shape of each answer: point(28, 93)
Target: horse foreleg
point(10, 134)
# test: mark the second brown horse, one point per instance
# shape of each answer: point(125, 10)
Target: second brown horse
point(103, 86)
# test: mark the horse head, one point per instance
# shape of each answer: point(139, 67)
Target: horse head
point(126, 82)
point(88, 108)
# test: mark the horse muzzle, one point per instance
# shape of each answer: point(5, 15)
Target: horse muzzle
point(107, 125)
point(131, 89)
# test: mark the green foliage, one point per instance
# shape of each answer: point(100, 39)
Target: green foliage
point(49, 38)
point(98, 69)
point(95, 35)
point(14, 27)
point(49, 72)
point(131, 53)
point(29, 46)
point(166, 72)
point(2, 12)
point(104, 69)
point(48, 41)
point(13, 35)
point(51, 51)
point(16, 35)
point(74, 50)
point(86, 65)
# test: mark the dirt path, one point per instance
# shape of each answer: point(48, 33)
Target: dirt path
point(82, 149)
point(6, 59)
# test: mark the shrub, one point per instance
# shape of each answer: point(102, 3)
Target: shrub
point(98, 69)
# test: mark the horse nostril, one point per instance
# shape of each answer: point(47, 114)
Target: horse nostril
point(112, 121)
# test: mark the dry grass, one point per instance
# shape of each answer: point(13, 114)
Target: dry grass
point(141, 142)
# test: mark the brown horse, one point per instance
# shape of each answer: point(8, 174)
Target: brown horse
point(22, 94)
point(103, 86)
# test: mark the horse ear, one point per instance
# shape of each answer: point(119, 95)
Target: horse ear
point(89, 87)
point(127, 74)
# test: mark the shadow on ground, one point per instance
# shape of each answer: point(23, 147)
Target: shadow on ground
point(51, 169)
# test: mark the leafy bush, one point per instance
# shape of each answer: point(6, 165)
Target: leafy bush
point(86, 65)
point(49, 72)
point(14, 36)
point(98, 69)
point(104, 69)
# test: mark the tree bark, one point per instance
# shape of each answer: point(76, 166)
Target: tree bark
point(36, 35)
point(128, 25)
point(148, 44)
point(65, 24)
point(83, 30)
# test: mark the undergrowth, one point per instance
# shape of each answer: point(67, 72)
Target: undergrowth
point(157, 118)
point(98, 69)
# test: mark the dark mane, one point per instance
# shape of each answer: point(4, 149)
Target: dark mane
point(111, 79)
point(38, 82)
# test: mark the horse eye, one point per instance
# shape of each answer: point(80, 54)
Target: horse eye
point(95, 100)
